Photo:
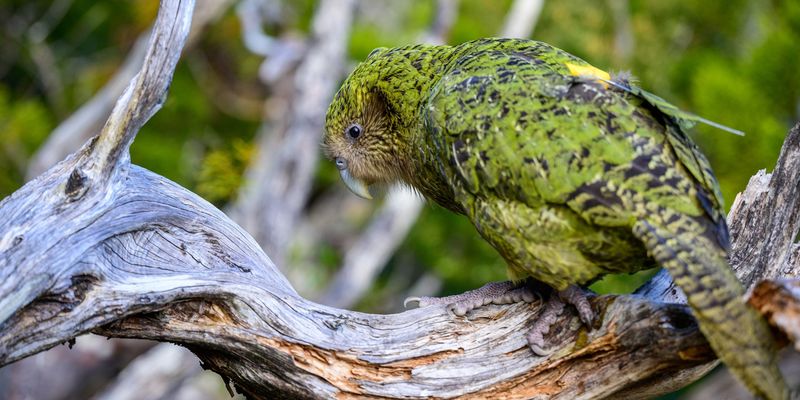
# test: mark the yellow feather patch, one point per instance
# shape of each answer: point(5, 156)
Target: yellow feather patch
point(589, 71)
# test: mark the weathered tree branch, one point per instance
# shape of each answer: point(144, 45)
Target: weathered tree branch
point(768, 211)
point(66, 138)
point(96, 244)
point(624, 40)
point(780, 302)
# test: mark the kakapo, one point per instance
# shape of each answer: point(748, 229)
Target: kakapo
point(568, 172)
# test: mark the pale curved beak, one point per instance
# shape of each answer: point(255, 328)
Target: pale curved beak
point(356, 186)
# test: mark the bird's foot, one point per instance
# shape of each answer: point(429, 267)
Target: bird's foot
point(492, 293)
point(549, 316)
point(579, 298)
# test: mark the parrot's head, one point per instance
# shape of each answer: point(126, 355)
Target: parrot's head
point(363, 134)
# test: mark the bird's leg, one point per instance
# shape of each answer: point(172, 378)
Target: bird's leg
point(492, 293)
point(549, 316)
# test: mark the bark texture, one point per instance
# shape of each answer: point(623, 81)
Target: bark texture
point(96, 244)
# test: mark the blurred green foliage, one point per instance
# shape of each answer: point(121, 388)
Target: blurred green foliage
point(221, 172)
point(735, 62)
point(24, 124)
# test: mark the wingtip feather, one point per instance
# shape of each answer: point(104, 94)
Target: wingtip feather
point(720, 126)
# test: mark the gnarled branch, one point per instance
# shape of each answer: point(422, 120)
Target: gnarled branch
point(99, 245)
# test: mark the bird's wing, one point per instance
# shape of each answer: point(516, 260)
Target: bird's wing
point(523, 125)
point(677, 122)
point(685, 119)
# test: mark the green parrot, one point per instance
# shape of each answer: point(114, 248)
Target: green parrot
point(568, 172)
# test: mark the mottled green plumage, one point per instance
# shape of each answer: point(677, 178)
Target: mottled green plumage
point(568, 176)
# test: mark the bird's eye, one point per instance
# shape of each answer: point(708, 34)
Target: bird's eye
point(354, 131)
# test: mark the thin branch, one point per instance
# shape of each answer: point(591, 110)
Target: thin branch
point(623, 32)
point(44, 60)
point(147, 92)
point(153, 375)
point(88, 119)
point(443, 20)
point(366, 257)
point(279, 54)
point(521, 18)
point(84, 123)
point(279, 180)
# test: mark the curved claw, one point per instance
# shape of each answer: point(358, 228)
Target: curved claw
point(580, 299)
point(540, 351)
point(586, 316)
point(461, 309)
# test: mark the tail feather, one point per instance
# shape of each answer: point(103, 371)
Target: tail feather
point(739, 336)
